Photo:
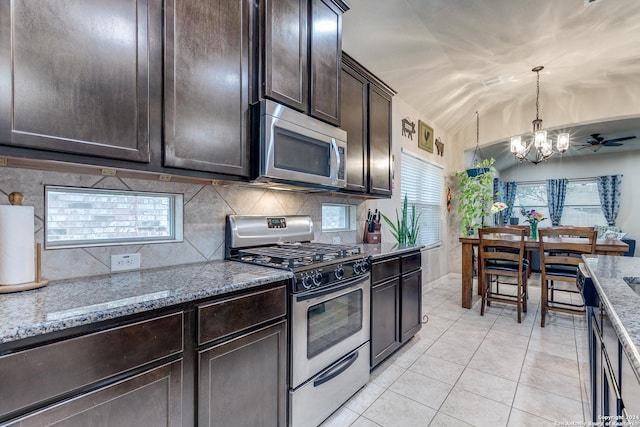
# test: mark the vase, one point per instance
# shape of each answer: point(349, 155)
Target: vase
point(534, 230)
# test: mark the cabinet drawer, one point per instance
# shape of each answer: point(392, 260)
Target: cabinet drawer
point(229, 316)
point(411, 262)
point(384, 270)
point(33, 376)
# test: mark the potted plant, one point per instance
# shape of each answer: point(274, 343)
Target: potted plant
point(406, 228)
point(475, 196)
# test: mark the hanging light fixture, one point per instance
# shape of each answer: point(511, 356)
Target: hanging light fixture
point(539, 148)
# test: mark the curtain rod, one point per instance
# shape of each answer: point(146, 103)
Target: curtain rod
point(569, 179)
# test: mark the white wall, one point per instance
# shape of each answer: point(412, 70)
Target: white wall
point(434, 261)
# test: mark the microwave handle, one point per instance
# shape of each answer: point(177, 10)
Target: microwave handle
point(338, 161)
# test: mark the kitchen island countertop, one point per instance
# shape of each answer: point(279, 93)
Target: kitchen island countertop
point(620, 301)
point(75, 302)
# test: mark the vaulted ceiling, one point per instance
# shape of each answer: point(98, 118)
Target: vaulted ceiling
point(436, 53)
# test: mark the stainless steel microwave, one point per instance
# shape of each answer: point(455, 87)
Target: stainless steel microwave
point(295, 149)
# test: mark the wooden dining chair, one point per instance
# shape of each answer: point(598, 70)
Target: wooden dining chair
point(561, 250)
point(501, 253)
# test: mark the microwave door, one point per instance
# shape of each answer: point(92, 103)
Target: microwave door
point(295, 153)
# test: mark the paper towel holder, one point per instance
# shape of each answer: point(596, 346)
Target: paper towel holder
point(16, 198)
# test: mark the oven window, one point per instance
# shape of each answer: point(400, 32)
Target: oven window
point(332, 321)
point(299, 153)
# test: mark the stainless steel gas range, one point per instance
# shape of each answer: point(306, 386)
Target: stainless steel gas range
point(328, 313)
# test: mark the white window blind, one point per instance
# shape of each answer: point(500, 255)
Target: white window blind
point(423, 183)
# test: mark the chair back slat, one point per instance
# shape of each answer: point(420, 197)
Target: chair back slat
point(565, 245)
point(501, 244)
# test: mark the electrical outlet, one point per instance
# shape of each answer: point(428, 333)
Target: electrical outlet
point(336, 240)
point(125, 262)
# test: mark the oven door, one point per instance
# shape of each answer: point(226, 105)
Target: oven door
point(298, 149)
point(326, 325)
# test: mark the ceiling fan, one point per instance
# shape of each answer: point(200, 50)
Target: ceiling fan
point(595, 142)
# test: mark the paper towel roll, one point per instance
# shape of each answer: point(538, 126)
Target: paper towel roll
point(17, 245)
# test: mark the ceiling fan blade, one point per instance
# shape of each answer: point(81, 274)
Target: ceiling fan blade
point(611, 144)
point(624, 138)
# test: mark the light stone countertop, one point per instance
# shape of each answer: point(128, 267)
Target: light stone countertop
point(381, 250)
point(619, 300)
point(69, 303)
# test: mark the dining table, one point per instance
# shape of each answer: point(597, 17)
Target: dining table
point(603, 247)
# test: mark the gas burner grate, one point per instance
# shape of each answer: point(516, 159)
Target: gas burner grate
point(292, 255)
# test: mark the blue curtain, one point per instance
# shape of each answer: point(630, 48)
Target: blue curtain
point(609, 192)
point(498, 196)
point(509, 198)
point(556, 193)
point(504, 192)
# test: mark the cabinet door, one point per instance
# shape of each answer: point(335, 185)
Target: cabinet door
point(379, 142)
point(243, 382)
point(410, 305)
point(326, 53)
point(206, 117)
point(152, 398)
point(385, 331)
point(285, 52)
point(74, 76)
point(353, 110)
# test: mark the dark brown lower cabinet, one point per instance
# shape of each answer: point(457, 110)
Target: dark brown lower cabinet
point(410, 311)
point(242, 382)
point(384, 325)
point(152, 398)
point(222, 362)
point(396, 303)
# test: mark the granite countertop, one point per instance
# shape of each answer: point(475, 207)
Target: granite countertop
point(75, 302)
point(620, 301)
point(381, 250)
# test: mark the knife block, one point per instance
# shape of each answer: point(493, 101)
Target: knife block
point(372, 237)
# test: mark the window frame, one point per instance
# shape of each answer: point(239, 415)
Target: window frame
point(350, 218)
point(545, 207)
point(176, 219)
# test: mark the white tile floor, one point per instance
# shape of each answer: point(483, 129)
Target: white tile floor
point(462, 369)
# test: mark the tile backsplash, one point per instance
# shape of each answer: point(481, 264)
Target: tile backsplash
point(205, 208)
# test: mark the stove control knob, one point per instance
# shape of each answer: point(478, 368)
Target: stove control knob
point(356, 267)
point(306, 281)
point(339, 272)
point(364, 266)
point(317, 278)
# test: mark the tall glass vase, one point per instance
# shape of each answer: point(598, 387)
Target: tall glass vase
point(534, 230)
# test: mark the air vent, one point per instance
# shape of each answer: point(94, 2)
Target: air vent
point(497, 80)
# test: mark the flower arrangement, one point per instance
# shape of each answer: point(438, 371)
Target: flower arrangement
point(532, 216)
point(498, 207)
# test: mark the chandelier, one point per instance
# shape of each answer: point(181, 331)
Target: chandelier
point(539, 148)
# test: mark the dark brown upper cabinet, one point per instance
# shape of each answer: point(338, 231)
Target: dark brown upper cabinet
point(301, 51)
point(366, 116)
point(207, 84)
point(354, 119)
point(74, 77)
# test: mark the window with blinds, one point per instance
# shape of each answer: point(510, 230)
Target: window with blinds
point(423, 184)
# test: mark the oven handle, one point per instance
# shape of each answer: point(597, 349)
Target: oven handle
point(327, 291)
point(334, 372)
